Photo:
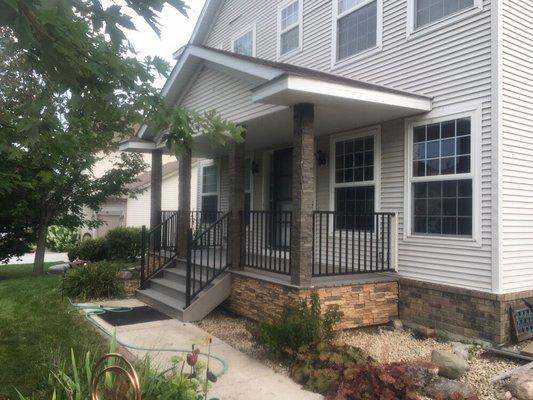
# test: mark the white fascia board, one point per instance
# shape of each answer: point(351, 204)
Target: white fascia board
point(137, 147)
point(274, 93)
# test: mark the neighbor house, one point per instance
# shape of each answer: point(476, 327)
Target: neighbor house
point(387, 163)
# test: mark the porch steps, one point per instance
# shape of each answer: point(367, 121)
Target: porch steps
point(166, 292)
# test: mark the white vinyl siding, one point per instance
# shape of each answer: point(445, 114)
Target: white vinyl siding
point(517, 146)
point(451, 64)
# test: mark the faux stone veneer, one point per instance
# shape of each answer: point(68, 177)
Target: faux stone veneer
point(362, 304)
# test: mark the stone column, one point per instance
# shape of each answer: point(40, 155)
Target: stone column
point(303, 193)
point(237, 172)
point(184, 201)
point(156, 177)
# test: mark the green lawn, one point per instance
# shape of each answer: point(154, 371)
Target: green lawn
point(37, 330)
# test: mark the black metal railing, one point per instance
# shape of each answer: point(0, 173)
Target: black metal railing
point(266, 240)
point(208, 256)
point(345, 244)
point(158, 247)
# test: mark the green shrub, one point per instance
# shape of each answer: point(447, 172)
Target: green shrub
point(61, 238)
point(90, 250)
point(320, 367)
point(93, 281)
point(300, 324)
point(123, 244)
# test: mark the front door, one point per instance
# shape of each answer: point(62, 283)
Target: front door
point(281, 197)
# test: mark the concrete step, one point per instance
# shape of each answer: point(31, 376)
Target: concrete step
point(169, 288)
point(179, 275)
point(161, 302)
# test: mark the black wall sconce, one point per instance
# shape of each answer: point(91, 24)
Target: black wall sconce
point(321, 158)
point(254, 167)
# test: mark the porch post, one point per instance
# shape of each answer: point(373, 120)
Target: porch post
point(156, 177)
point(184, 201)
point(237, 172)
point(303, 193)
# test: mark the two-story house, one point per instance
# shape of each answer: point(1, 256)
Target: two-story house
point(387, 162)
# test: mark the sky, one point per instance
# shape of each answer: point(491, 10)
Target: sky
point(175, 32)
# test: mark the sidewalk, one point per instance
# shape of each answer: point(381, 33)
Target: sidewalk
point(48, 257)
point(245, 378)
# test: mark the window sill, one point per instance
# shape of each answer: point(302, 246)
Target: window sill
point(292, 53)
point(442, 241)
point(415, 33)
point(335, 65)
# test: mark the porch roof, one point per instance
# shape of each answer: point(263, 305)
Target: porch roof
point(342, 103)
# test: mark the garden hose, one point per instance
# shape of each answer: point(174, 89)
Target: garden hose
point(91, 310)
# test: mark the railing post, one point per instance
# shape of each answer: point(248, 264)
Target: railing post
point(143, 256)
point(189, 269)
point(394, 240)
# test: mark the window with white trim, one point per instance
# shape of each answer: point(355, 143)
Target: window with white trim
point(209, 192)
point(427, 12)
point(442, 178)
point(354, 185)
point(290, 27)
point(356, 27)
point(248, 190)
point(245, 43)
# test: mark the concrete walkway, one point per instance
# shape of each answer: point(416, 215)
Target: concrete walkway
point(245, 378)
point(48, 257)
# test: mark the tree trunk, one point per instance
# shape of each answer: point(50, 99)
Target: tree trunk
point(38, 263)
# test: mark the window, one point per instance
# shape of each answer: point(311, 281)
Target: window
point(357, 24)
point(429, 11)
point(354, 184)
point(289, 27)
point(245, 43)
point(209, 192)
point(442, 179)
point(248, 191)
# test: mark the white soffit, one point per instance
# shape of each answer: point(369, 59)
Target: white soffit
point(290, 90)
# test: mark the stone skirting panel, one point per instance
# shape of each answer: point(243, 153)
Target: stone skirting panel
point(464, 312)
point(361, 304)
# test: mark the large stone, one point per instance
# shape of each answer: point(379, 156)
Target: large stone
point(462, 350)
point(58, 269)
point(450, 365)
point(125, 275)
point(446, 389)
point(521, 384)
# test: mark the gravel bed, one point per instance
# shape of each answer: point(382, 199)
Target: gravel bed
point(389, 346)
point(382, 344)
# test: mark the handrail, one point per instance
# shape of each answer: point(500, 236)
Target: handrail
point(207, 256)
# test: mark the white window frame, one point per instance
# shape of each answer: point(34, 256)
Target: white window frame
point(298, 24)
point(467, 110)
point(374, 131)
point(250, 159)
point(413, 31)
point(241, 33)
point(204, 164)
point(365, 53)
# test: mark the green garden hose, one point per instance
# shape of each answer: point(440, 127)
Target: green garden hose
point(91, 310)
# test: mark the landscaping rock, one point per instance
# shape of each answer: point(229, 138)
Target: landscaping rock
point(77, 263)
point(462, 350)
point(422, 372)
point(528, 350)
point(426, 332)
point(444, 389)
point(450, 365)
point(397, 324)
point(58, 269)
point(505, 396)
point(521, 384)
point(125, 275)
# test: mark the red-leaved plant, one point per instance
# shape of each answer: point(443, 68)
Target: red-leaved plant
point(383, 382)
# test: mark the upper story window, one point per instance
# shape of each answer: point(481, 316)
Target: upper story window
point(357, 26)
point(244, 43)
point(290, 27)
point(429, 11)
